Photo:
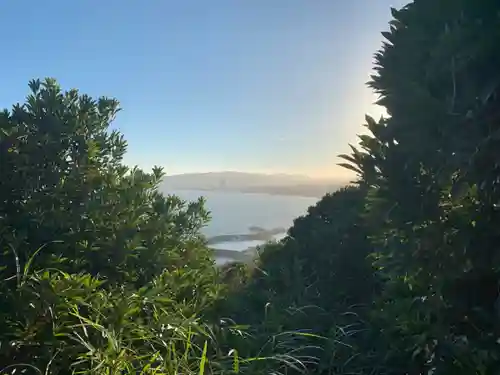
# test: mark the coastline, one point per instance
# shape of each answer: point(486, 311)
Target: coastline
point(303, 192)
point(260, 235)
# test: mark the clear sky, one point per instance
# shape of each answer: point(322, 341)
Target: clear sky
point(248, 85)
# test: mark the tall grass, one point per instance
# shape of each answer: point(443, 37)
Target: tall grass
point(62, 323)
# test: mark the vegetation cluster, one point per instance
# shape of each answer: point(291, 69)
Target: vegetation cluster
point(398, 273)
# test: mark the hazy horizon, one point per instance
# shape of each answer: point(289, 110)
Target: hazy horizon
point(284, 174)
point(258, 87)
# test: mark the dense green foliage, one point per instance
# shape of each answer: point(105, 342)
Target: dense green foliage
point(100, 273)
point(396, 274)
point(400, 275)
point(316, 285)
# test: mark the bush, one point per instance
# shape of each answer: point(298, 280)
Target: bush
point(415, 241)
point(101, 272)
point(312, 291)
point(431, 168)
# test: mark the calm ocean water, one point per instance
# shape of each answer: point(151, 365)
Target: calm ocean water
point(234, 213)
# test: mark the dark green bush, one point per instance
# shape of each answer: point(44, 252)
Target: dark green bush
point(101, 273)
point(414, 246)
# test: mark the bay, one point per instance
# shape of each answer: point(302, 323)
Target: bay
point(234, 213)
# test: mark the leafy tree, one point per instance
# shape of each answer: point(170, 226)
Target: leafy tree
point(101, 273)
point(65, 188)
point(431, 168)
point(428, 219)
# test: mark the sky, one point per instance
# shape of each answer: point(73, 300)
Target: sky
point(274, 86)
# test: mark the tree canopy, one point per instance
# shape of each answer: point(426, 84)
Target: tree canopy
point(428, 176)
point(90, 249)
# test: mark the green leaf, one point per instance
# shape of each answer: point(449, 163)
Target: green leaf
point(203, 359)
point(350, 167)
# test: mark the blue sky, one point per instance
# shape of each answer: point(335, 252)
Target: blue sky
point(255, 85)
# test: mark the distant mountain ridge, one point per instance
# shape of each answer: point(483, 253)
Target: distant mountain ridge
point(278, 184)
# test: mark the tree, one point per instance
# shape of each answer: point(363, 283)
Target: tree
point(431, 168)
point(101, 272)
point(427, 221)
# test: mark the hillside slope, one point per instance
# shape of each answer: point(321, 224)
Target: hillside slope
point(281, 184)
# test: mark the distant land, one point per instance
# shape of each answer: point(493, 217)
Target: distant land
point(276, 184)
point(247, 255)
point(257, 234)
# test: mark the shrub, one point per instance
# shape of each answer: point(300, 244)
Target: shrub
point(102, 274)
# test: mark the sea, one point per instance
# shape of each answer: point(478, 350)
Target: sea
point(234, 213)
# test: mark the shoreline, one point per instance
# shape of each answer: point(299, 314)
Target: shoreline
point(316, 195)
point(231, 255)
point(258, 234)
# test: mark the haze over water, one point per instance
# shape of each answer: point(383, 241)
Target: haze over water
point(235, 213)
